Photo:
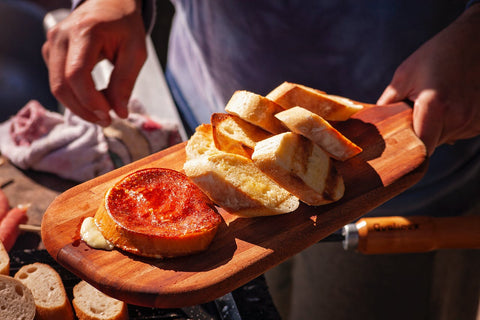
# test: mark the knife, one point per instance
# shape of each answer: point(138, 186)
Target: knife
point(382, 235)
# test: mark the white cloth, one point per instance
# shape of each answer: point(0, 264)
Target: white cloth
point(46, 141)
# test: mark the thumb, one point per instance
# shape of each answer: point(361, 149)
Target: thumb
point(390, 95)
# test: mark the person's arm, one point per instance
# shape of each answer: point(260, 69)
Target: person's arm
point(442, 78)
point(96, 29)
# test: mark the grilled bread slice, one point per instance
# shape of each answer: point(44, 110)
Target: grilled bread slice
point(235, 135)
point(238, 186)
point(315, 128)
point(329, 107)
point(201, 142)
point(301, 167)
point(16, 300)
point(157, 212)
point(48, 291)
point(91, 304)
point(255, 109)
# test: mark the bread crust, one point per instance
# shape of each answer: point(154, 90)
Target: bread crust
point(48, 291)
point(235, 135)
point(238, 186)
point(315, 128)
point(4, 260)
point(301, 167)
point(330, 107)
point(16, 300)
point(256, 109)
point(91, 304)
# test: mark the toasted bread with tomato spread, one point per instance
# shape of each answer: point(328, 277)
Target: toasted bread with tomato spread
point(159, 213)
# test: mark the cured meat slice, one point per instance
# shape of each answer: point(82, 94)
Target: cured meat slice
point(158, 213)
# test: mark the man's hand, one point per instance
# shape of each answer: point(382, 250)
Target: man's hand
point(442, 78)
point(96, 30)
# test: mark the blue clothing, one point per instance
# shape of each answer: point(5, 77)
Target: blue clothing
point(349, 48)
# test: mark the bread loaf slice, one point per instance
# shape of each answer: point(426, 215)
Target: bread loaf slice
point(301, 167)
point(201, 142)
point(329, 107)
point(4, 260)
point(91, 304)
point(255, 109)
point(48, 291)
point(16, 300)
point(315, 128)
point(235, 135)
point(238, 186)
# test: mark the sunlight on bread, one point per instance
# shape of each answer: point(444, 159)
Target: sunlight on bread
point(265, 155)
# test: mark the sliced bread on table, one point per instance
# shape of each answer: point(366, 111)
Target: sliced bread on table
point(330, 107)
point(4, 260)
point(301, 167)
point(16, 300)
point(235, 135)
point(48, 291)
point(255, 109)
point(317, 129)
point(91, 304)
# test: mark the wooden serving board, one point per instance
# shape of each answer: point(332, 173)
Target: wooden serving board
point(392, 160)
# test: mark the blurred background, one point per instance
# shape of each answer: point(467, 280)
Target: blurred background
point(23, 74)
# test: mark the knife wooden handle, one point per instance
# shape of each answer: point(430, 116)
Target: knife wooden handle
point(417, 234)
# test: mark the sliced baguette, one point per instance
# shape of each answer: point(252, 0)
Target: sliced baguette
point(16, 300)
point(4, 260)
point(315, 128)
point(255, 109)
point(235, 135)
point(301, 167)
point(329, 107)
point(201, 142)
point(91, 304)
point(237, 185)
point(48, 291)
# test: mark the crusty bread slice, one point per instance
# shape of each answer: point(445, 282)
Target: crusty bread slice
point(16, 300)
point(201, 142)
point(48, 291)
point(255, 109)
point(235, 135)
point(330, 107)
point(91, 304)
point(315, 128)
point(301, 167)
point(4, 260)
point(237, 185)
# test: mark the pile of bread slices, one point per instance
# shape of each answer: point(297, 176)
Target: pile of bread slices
point(267, 154)
point(36, 291)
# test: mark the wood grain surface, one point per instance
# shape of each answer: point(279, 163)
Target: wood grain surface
point(393, 159)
